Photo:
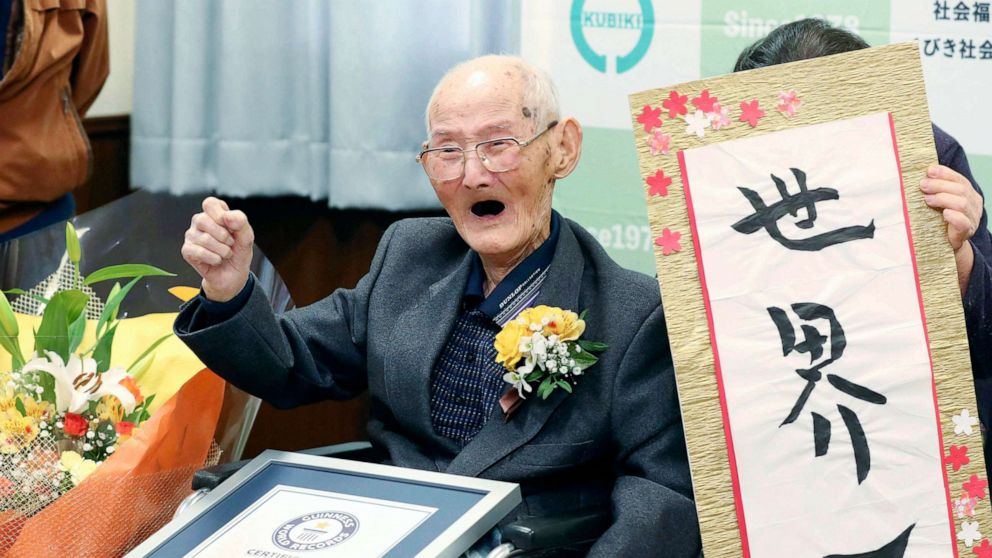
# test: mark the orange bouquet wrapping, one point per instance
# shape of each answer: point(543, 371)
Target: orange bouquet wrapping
point(95, 453)
point(134, 492)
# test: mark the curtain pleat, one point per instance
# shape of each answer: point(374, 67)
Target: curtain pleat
point(316, 98)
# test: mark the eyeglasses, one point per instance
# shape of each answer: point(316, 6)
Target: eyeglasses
point(497, 155)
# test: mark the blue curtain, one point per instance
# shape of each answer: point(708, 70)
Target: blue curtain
point(316, 98)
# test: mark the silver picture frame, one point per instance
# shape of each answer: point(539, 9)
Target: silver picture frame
point(495, 500)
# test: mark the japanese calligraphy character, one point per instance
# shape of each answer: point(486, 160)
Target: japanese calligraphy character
point(894, 549)
point(940, 10)
point(813, 344)
point(981, 13)
point(985, 50)
point(961, 12)
point(767, 216)
point(967, 48)
point(949, 46)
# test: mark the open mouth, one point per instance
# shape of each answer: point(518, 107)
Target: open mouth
point(488, 208)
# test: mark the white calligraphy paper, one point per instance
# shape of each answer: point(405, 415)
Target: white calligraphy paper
point(855, 464)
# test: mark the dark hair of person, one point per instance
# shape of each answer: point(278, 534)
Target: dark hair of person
point(800, 40)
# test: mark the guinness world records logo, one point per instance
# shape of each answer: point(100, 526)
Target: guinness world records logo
point(315, 531)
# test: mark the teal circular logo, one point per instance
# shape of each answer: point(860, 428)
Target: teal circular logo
point(642, 23)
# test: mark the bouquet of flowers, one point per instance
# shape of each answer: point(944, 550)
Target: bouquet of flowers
point(67, 407)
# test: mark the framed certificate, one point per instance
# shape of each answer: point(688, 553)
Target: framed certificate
point(284, 505)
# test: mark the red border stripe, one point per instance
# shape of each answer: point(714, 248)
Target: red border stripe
point(926, 334)
point(741, 524)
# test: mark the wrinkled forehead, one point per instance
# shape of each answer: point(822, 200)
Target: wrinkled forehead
point(479, 99)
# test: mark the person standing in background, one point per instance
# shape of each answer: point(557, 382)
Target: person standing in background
point(54, 59)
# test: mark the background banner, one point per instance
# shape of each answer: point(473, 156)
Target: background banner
point(600, 51)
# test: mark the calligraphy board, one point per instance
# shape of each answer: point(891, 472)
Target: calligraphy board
point(813, 311)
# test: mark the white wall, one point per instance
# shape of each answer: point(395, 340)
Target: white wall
point(117, 94)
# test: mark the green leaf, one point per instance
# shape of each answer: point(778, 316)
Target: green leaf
point(140, 413)
point(13, 346)
point(91, 406)
point(101, 353)
point(582, 315)
point(114, 300)
point(8, 321)
point(141, 367)
point(19, 405)
point(592, 346)
point(546, 387)
point(108, 315)
point(585, 360)
point(145, 415)
point(53, 333)
point(125, 271)
point(535, 375)
point(564, 385)
point(149, 350)
point(47, 383)
point(76, 331)
point(26, 293)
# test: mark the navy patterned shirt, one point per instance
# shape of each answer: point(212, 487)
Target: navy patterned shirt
point(467, 383)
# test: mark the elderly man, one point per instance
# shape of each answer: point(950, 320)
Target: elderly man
point(419, 330)
point(949, 188)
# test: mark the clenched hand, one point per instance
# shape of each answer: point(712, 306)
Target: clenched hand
point(219, 247)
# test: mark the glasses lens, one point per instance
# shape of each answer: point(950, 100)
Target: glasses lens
point(500, 155)
point(444, 164)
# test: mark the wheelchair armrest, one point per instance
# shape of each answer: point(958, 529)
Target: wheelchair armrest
point(565, 529)
point(210, 477)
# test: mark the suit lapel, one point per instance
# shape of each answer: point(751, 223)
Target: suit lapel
point(418, 337)
point(498, 438)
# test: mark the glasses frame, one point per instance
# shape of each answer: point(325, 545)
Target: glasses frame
point(484, 160)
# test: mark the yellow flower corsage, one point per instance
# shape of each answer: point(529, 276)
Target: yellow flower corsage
point(542, 346)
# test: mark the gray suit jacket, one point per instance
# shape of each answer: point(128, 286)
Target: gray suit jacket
point(617, 440)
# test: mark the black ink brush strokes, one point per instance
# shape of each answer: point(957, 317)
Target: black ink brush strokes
point(767, 216)
point(813, 344)
point(894, 549)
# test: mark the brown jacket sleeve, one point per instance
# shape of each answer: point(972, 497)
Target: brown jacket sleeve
point(92, 64)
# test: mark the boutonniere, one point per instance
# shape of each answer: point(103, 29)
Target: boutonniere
point(542, 346)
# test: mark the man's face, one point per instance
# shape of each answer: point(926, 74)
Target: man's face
point(506, 215)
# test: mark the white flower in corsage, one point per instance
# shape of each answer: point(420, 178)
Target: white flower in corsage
point(542, 346)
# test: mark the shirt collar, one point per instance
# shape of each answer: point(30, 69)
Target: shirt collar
point(519, 288)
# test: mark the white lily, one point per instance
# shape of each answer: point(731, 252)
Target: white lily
point(518, 382)
point(77, 382)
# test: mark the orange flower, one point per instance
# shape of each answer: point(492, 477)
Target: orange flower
point(129, 383)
